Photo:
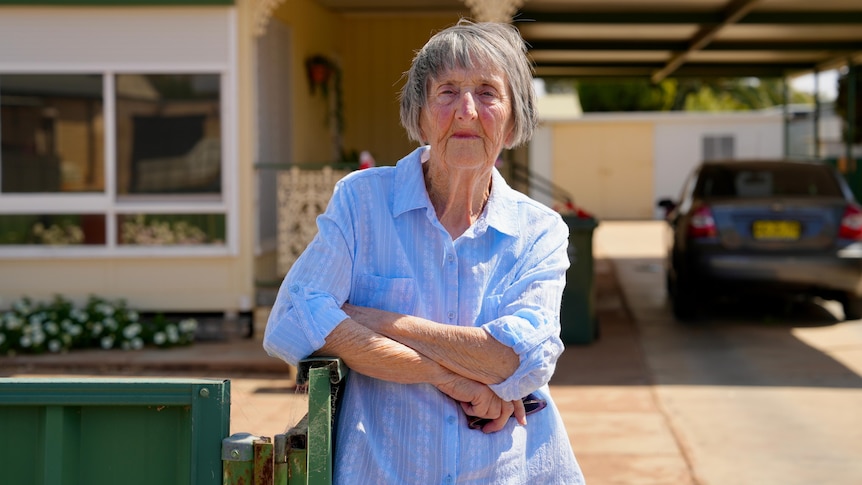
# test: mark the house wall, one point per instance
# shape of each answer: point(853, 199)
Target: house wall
point(678, 144)
point(618, 165)
point(134, 39)
point(605, 164)
point(313, 30)
point(375, 50)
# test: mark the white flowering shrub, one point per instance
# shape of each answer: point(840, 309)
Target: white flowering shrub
point(60, 326)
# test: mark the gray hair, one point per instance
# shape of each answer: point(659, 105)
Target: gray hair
point(469, 45)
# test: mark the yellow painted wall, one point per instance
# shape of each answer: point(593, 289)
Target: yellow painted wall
point(375, 51)
point(149, 284)
point(314, 30)
point(607, 167)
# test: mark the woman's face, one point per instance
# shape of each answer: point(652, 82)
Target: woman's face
point(467, 119)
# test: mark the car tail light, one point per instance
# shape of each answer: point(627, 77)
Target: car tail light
point(702, 224)
point(851, 223)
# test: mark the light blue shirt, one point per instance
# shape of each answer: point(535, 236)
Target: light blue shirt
point(380, 245)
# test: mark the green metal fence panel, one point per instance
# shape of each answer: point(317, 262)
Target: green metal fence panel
point(90, 431)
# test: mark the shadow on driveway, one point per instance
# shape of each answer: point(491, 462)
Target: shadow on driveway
point(737, 342)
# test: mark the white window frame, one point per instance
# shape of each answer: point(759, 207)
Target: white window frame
point(108, 203)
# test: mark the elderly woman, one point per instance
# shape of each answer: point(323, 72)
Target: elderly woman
point(440, 286)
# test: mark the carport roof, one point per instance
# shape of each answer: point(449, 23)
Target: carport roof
point(657, 39)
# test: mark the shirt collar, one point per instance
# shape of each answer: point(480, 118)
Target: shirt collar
point(410, 194)
point(502, 210)
point(410, 190)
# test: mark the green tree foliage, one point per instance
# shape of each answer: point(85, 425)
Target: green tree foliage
point(732, 94)
point(737, 94)
point(631, 94)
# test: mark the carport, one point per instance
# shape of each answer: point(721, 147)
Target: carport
point(697, 38)
point(659, 39)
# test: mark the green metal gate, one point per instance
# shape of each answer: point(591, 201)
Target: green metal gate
point(302, 455)
point(90, 431)
point(133, 431)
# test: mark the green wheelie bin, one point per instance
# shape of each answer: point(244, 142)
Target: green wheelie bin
point(578, 321)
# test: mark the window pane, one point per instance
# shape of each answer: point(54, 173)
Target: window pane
point(171, 229)
point(718, 147)
point(51, 133)
point(781, 180)
point(168, 134)
point(54, 229)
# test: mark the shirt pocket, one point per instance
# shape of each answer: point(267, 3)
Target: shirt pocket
point(391, 294)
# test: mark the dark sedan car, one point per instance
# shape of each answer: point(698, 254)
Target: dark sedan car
point(786, 227)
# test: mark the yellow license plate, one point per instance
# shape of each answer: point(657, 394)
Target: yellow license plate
point(776, 229)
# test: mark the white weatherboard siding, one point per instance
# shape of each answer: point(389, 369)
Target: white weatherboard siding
point(48, 40)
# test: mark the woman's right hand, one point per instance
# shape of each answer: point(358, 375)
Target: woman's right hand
point(476, 398)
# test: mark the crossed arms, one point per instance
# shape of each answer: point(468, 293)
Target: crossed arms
point(460, 361)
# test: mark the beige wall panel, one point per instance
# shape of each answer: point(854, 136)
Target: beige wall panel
point(157, 284)
point(607, 167)
point(375, 52)
point(314, 31)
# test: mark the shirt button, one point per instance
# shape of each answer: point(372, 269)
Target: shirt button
point(450, 257)
point(448, 478)
point(450, 420)
point(451, 315)
point(294, 288)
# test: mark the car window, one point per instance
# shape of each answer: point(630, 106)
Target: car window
point(767, 181)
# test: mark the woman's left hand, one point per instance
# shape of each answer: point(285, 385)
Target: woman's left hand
point(509, 409)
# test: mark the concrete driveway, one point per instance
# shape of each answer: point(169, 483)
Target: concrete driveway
point(758, 392)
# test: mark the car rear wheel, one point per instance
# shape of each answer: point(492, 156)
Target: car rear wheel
point(852, 305)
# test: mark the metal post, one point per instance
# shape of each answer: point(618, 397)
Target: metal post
point(297, 465)
point(291, 455)
point(280, 472)
point(786, 116)
point(319, 427)
point(816, 151)
point(303, 455)
point(237, 453)
point(851, 113)
point(263, 463)
point(325, 377)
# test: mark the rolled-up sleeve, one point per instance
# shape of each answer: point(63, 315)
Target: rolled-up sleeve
point(308, 305)
point(529, 320)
